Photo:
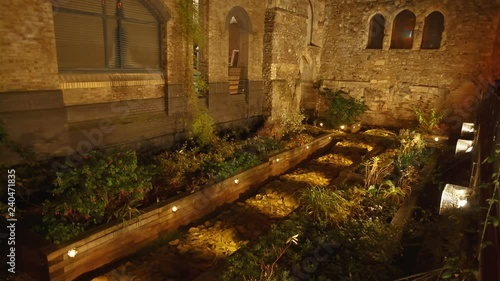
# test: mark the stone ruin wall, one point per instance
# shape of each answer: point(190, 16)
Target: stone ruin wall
point(392, 82)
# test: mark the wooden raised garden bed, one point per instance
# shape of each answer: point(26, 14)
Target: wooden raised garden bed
point(113, 241)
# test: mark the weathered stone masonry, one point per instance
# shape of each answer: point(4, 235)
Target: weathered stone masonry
point(392, 81)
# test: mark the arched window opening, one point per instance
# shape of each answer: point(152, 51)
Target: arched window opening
point(433, 31)
point(402, 30)
point(376, 35)
point(107, 34)
point(310, 23)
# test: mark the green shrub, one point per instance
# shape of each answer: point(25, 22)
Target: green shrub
point(105, 185)
point(324, 206)
point(254, 262)
point(202, 128)
point(341, 109)
point(262, 146)
point(191, 168)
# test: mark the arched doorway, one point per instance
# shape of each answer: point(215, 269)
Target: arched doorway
point(238, 27)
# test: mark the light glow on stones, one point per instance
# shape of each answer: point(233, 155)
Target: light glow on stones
point(236, 181)
point(462, 203)
point(72, 253)
point(174, 209)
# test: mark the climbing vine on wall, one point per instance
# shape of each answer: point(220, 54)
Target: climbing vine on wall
point(201, 126)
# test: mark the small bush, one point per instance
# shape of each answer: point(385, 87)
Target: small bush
point(202, 129)
point(341, 109)
point(105, 185)
point(324, 206)
point(429, 121)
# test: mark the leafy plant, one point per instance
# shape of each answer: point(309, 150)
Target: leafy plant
point(104, 186)
point(411, 150)
point(429, 121)
point(341, 109)
point(376, 170)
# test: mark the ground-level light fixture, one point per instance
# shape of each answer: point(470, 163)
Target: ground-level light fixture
point(72, 253)
point(307, 146)
point(174, 209)
point(342, 127)
point(321, 124)
point(236, 181)
point(467, 129)
point(454, 196)
point(463, 146)
point(436, 139)
point(277, 160)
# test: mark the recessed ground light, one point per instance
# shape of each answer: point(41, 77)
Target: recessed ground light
point(321, 124)
point(236, 181)
point(72, 253)
point(307, 146)
point(174, 209)
point(330, 137)
point(342, 127)
point(277, 160)
point(436, 139)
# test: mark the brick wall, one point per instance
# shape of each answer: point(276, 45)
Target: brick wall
point(27, 46)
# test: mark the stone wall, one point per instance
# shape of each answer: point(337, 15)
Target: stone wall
point(394, 81)
point(292, 55)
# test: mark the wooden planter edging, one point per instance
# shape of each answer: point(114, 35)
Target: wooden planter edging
point(113, 241)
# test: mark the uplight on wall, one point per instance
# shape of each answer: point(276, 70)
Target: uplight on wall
point(463, 146)
point(454, 196)
point(72, 253)
point(467, 129)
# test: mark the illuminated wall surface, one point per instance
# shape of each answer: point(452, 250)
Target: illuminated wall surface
point(71, 82)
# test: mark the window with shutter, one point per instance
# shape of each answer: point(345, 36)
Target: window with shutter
point(106, 34)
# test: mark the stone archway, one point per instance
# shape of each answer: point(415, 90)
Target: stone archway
point(238, 27)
